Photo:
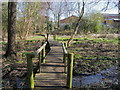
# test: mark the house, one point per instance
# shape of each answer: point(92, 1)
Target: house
point(68, 20)
point(111, 19)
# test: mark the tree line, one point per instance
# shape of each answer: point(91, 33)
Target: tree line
point(23, 19)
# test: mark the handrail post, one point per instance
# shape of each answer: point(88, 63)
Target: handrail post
point(47, 36)
point(64, 57)
point(65, 63)
point(43, 55)
point(54, 37)
point(30, 71)
point(70, 70)
point(39, 61)
point(65, 44)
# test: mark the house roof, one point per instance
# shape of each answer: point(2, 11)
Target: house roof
point(111, 16)
point(69, 19)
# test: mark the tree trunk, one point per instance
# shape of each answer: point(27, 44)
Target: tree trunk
point(58, 24)
point(76, 27)
point(11, 49)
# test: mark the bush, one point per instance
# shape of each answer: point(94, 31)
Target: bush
point(67, 27)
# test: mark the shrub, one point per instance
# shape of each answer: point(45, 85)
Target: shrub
point(67, 27)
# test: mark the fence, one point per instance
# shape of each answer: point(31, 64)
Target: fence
point(68, 62)
point(42, 53)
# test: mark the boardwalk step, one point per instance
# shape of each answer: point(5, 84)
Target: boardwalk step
point(52, 71)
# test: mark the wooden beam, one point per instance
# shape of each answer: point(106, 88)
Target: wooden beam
point(64, 49)
point(40, 49)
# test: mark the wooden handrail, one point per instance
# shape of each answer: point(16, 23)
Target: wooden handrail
point(64, 49)
point(68, 62)
point(40, 49)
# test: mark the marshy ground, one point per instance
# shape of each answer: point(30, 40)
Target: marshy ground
point(95, 61)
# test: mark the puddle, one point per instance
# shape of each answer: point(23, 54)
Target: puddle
point(104, 78)
point(18, 83)
point(5, 83)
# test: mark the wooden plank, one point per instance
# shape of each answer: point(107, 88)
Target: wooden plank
point(52, 71)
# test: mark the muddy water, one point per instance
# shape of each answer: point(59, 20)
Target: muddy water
point(105, 78)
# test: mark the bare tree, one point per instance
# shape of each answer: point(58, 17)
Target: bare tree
point(31, 19)
point(107, 6)
point(69, 8)
point(11, 49)
point(4, 20)
point(118, 4)
point(57, 9)
point(77, 23)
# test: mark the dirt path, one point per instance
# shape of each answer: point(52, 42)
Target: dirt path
point(52, 71)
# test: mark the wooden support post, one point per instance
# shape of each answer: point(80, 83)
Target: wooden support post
point(65, 63)
point(39, 61)
point(47, 36)
point(63, 57)
point(70, 70)
point(65, 44)
point(54, 37)
point(30, 71)
point(43, 55)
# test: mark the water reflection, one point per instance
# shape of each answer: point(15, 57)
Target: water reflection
point(103, 79)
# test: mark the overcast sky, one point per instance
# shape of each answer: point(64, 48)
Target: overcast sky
point(96, 7)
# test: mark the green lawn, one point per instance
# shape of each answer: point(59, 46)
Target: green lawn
point(95, 40)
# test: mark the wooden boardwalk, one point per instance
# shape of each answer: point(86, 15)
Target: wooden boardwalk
point(52, 71)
